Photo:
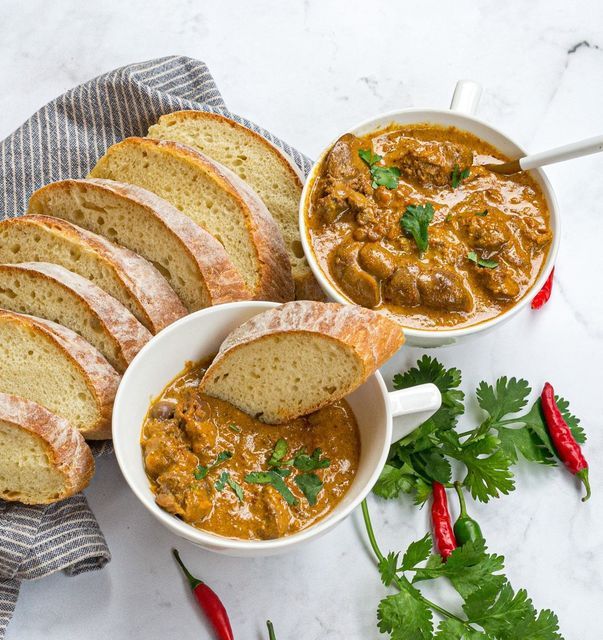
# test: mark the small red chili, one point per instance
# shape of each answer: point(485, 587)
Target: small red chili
point(209, 602)
point(567, 448)
point(442, 527)
point(542, 297)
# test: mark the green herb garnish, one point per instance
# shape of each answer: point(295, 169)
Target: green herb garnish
point(275, 479)
point(480, 262)
point(304, 462)
point(381, 175)
point(226, 479)
point(280, 451)
point(481, 214)
point(457, 176)
point(310, 485)
point(235, 428)
point(415, 221)
point(201, 470)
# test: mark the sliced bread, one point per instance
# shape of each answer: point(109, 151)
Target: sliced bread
point(260, 164)
point(55, 367)
point(119, 271)
point(292, 360)
point(214, 198)
point(52, 292)
point(194, 263)
point(43, 459)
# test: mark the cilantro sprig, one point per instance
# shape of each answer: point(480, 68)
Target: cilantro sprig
point(481, 262)
point(486, 453)
point(202, 470)
point(382, 176)
point(415, 221)
point(491, 608)
point(457, 176)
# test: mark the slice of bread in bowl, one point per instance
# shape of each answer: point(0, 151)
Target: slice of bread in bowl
point(120, 272)
point(194, 263)
point(52, 292)
point(43, 459)
point(213, 197)
point(55, 367)
point(260, 164)
point(292, 360)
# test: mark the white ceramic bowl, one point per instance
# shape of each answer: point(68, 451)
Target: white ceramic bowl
point(459, 115)
point(198, 336)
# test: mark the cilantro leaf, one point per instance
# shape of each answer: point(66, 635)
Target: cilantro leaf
point(382, 176)
point(457, 176)
point(280, 451)
point(508, 396)
point(423, 492)
point(393, 481)
point(221, 482)
point(415, 221)
point(405, 617)
point(304, 462)
point(201, 470)
point(388, 568)
point(451, 629)
point(236, 487)
point(222, 457)
point(482, 262)
point(310, 485)
point(572, 421)
point(417, 552)
point(523, 440)
point(488, 472)
point(276, 480)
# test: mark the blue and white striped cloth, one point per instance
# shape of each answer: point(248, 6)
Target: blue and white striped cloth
point(62, 140)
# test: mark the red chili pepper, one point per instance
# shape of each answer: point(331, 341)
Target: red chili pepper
point(567, 448)
point(442, 527)
point(542, 297)
point(209, 602)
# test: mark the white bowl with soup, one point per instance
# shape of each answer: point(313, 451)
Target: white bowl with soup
point(491, 241)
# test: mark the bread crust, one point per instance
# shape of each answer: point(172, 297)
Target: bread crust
point(100, 377)
point(216, 274)
point(370, 336)
point(306, 285)
point(275, 279)
point(67, 450)
point(119, 326)
point(157, 303)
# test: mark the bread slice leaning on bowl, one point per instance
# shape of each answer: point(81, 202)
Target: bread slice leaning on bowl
point(120, 272)
point(55, 367)
point(214, 198)
point(257, 162)
point(52, 292)
point(292, 360)
point(194, 263)
point(43, 459)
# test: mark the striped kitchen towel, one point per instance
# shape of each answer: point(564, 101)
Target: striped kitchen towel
point(62, 140)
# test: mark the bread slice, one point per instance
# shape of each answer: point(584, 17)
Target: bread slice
point(119, 271)
point(43, 459)
point(55, 367)
point(52, 292)
point(295, 359)
point(260, 164)
point(213, 197)
point(194, 263)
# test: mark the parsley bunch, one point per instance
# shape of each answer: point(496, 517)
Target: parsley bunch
point(492, 609)
point(487, 452)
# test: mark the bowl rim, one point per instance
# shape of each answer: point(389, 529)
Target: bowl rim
point(198, 536)
point(423, 116)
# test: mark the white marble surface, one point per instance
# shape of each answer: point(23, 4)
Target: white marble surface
point(306, 70)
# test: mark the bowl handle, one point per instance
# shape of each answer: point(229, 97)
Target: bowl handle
point(411, 407)
point(466, 97)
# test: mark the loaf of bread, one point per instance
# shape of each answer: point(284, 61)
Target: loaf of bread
point(55, 367)
point(214, 198)
point(120, 272)
point(52, 292)
point(260, 164)
point(43, 459)
point(194, 263)
point(292, 360)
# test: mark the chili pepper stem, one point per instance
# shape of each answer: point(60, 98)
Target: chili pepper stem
point(373, 541)
point(459, 492)
point(271, 634)
point(583, 477)
point(193, 582)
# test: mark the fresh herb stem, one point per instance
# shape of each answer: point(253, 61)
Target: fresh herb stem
point(271, 634)
point(400, 581)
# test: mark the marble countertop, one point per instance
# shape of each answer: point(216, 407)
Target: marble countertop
point(306, 71)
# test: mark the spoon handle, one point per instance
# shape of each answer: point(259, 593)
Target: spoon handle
point(566, 152)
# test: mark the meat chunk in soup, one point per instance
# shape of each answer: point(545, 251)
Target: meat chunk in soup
point(444, 289)
point(355, 281)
